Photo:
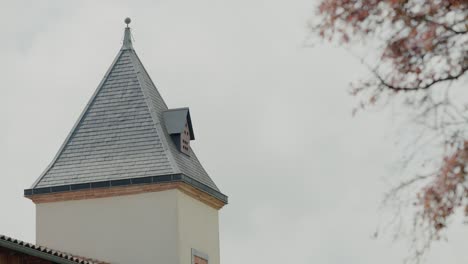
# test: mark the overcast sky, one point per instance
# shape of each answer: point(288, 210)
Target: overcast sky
point(272, 118)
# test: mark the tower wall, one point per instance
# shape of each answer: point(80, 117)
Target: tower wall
point(154, 227)
point(198, 229)
point(139, 228)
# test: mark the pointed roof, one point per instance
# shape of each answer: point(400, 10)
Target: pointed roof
point(121, 136)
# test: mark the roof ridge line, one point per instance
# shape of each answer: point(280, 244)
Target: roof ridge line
point(80, 118)
point(156, 122)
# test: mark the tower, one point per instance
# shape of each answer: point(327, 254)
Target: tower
point(125, 186)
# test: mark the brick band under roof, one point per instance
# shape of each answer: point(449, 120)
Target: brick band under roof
point(121, 136)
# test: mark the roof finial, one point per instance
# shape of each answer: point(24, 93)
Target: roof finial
point(127, 21)
point(127, 42)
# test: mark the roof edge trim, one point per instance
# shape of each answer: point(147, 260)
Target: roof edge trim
point(127, 182)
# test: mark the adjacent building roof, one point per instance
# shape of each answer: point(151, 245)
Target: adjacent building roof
point(43, 252)
point(121, 135)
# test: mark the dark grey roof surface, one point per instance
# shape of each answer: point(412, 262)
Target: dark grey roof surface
point(175, 120)
point(121, 133)
point(43, 252)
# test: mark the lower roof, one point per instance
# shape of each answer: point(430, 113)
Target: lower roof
point(44, 252)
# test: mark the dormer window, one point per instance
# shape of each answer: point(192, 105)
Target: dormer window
point(185, 138)
point(179, 127)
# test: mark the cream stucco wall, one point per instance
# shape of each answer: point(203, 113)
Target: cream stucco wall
point(198, 229)
point(156, 227)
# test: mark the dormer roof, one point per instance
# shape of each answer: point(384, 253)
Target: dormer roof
point(175, 120)
point(122, 136)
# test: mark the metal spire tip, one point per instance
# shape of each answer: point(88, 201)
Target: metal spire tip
point(127, 21)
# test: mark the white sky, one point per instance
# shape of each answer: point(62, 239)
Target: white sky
point(272, 119)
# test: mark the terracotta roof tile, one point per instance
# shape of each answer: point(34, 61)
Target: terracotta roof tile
point(48, 251)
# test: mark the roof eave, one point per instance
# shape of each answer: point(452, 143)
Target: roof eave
point(29, 193)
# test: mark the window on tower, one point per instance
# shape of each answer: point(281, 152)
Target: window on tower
point(199, 257)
